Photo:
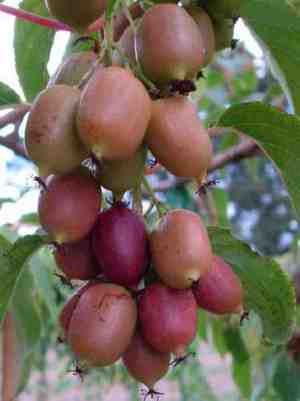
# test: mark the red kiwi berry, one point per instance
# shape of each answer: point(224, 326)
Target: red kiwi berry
point(102, 324)
point(121, 176)
point(168, 318)
point(177, 138)
point(169, 44)
point(74, 68)
point(220, 290)
point(78, 15)
point(113, 114)
point(120, 244)
point(76, 260)
point(51, 136)
point(206, 28)
point(180, 249)
point(68, 207)
point(144, 363)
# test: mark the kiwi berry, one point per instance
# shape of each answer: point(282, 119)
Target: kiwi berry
point(220, 290)
point(180, 248)
point(177, 138)
point(51, 136)
point(68, 207)
point(113, 114)
point(102, 324)
point(169, 44)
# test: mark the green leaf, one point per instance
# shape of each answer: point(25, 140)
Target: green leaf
point(241, 365)
point(28, 323)
point(217, 326)
point(7, 95)
point(286, 379)
point(30, 218)
point(268, 289)
point(32, 45)
point(278, 26)
point(110, 8)
point(277, 133)
point(12, 261)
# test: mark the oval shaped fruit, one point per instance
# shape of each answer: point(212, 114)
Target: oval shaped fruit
point(77, 260)
point(78, 15)
point(180, 248)
point(68, 208)
point(177, 138)
point(73, 69)
point(121, 176)
point(169, 44)
point(206, 28)
point(51, 136)
point(102, 324)
point(113, 114)
point(144, 363)
point(168, 318)
point(121, 245)
point(220, 290)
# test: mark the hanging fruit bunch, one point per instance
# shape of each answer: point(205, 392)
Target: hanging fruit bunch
point(90, 130)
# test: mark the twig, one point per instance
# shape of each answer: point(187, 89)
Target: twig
point(14, 116)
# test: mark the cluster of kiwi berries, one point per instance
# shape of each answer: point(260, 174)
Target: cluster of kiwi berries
point(143, 289)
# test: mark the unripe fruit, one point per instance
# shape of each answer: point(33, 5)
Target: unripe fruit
point(177, 138)
point(51, 136)
point(78, 15)
point(121, 176)
point(206, 28)
point(220, 290)
point(121, 245)
point(74, 68)
point(68, 208)
point(224, 30)
point(168, 318)
point(222, 9)
point(144, 363)
point(169, 44)
point(113, 114)
point(77, 260)
point(180, 248)
point(102, 324)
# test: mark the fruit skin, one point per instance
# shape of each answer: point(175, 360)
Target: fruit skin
point(177, 138)
point(113, 114)
point(206, 28)
point(78, 16)
point(77, 260)
point(69, 207)
point(51, 136)
point(180, 248)
point(73, 69)
point(180, 53)
point(168, 318)
point(102, 324)
point(144, 363)
point(120, 244)
point(220, 290)
point(121, 176)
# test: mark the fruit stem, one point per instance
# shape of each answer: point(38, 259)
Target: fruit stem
point(35, 19)
point(137, 200)
point(161, 209)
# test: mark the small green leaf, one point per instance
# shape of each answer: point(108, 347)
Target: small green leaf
point(278, 26)
point(268, 289)
point(32, 45)
point(12, 261)
point(286, 379)
point(110, 8)
point(8, 96)
point(219, 342)
point(277, 133)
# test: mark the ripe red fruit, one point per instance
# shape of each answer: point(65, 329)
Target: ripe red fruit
point(220, 290)
point(77, 260)
point(102, 324)
point(168, 318)
point(68, 208)
point(120, 245)
point(113, 114)
point(180, 248)
point(144, 363)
